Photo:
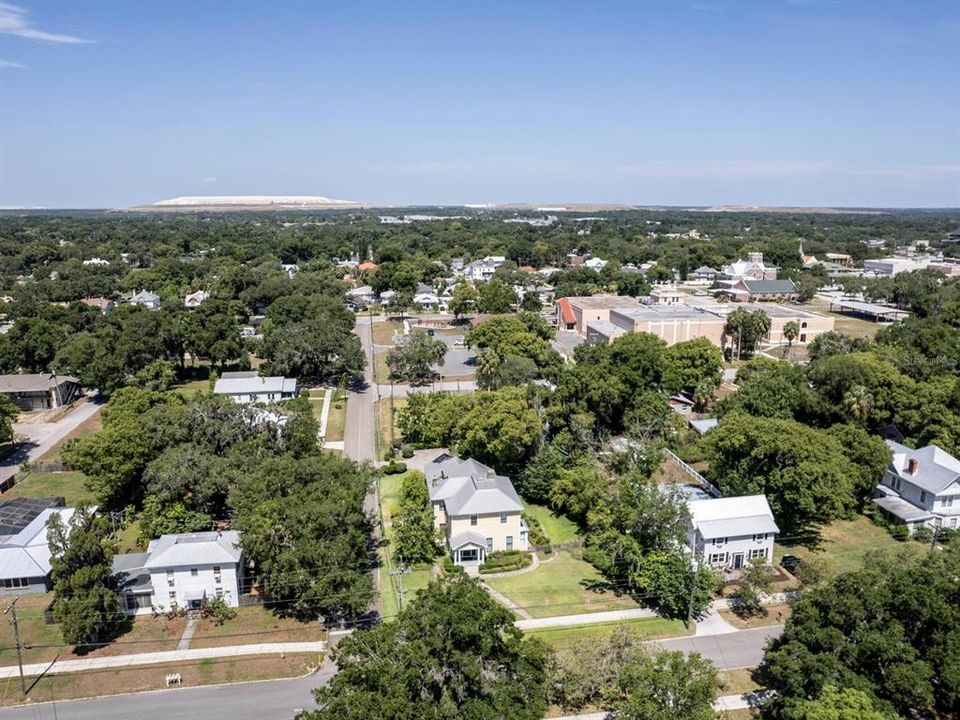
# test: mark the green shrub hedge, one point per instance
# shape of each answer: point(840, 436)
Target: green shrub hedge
point(394, 468)
point(505, 561)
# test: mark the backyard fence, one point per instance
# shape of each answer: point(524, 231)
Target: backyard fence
point(701, 480)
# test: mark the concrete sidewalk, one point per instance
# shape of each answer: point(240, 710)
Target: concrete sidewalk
point(167, 656)
point(585, 619)
point(725, 702)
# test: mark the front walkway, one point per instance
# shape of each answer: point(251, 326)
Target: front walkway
point(167, 656)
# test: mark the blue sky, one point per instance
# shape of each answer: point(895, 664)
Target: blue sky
point(681, 103)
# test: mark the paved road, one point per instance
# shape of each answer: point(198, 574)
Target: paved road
point(268, 700)
point(46, 436)
point(733, 650)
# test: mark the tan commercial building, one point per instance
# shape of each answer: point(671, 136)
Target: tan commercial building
point(573, 313)
point(679, 323)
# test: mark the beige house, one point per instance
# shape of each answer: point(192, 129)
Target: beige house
point(478, 511)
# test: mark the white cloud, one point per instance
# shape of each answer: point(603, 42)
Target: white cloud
point(209, 180)
point(13, 21)
point(11, 64)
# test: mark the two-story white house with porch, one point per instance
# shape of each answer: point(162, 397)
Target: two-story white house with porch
point(478, 511)
point(727, 533)
point(920, 487)
point(182, 571)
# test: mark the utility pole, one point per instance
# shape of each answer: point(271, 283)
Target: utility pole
point(694, 582)
point(12, 609)
point(399, 573)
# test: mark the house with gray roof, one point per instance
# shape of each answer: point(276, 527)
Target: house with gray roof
point(39, 391)
point(149, 300)
point(247, 387)
point(920, 487)
point(182, 570)
point(478, 511)
point(727, 533)
point(25, 553)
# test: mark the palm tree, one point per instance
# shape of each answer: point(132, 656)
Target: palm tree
point(488, 362)
point(790, 332)
point(858, 402)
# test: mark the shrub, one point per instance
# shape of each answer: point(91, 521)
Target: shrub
point(407, 452)
point(899, 532)
point(450, 567)
point(505, 561)
point(389, 454)
point(923, 534)
point(394, 468)
point(218, 611)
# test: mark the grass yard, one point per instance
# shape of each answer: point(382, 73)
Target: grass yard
point(68, 484)
point(737, 682)
point(846, 324)
point(554, 588)
point(255, 624)
point(388, 428)
point(44, 642)
point(151, 677)
point(191, 388)
point(843, 544)
point(419, 575)
point(558, 528)
point(776, 615)
point(572, 638)
point(381, 371)
point(383, 331)
point(337, 417)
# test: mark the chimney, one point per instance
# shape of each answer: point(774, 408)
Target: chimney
point(912, 466)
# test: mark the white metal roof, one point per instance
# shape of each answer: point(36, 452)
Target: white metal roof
point(936, 469)
point(190, 549)
point(27, 553)
point(254, 385)
point(732, 516)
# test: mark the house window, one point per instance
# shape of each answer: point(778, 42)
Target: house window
point(173, 597)
point(923, 496)
point(219, 592)
point(194, 572)
point(509, 542)
point(947, 501)
point(953, 522)
point(758, 553)
point(468, 555)
point(760, 538)
point(718, 558)
point(503, 518)
point(489, 545)
point(473, 519)
point(720, 541)
point(13, 583)
point(170, 578)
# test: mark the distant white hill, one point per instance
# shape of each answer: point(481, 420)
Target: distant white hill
point(250, 200)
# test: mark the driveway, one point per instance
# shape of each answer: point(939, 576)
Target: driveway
point(44, 436)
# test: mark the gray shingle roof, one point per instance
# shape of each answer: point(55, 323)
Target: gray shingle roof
point(936, 469)
point(36, 382)
point(254, 384)
point(467, 538)
point(468, 487)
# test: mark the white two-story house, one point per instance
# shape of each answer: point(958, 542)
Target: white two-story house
point(478, 511)
point(921, 487)
point(182, 571)
point(727, 533)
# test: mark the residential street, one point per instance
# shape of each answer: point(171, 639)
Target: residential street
point(46, 435)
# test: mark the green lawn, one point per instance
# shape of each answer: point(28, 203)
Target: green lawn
point(383, 332)
point(558, 528)
point(337, 417)
point(385, 422)
point(419, 575)
point(571, 638)
point(193, 387)
point(255, 624)
point(67, 484)
point(843, 544)
point(554, 588)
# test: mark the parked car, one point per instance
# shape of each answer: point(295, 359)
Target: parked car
point(790, 563)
